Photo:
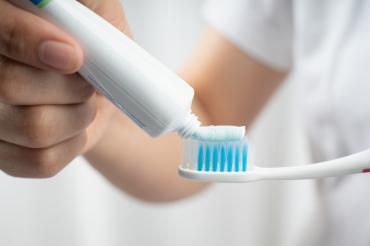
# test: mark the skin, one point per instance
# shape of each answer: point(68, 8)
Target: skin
point(49, 114)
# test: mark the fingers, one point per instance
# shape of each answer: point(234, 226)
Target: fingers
point(24, 85)
point(45, 116)
point(29, 39)
point(110, 10)
point(39, 163)
point(46, 125)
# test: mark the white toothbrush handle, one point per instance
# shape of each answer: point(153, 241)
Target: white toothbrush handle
point(355, 163)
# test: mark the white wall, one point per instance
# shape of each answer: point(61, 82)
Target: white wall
point(79, 207)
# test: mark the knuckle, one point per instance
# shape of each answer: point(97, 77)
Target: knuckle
point(84, 92)
point(44, 163)
point(87, 111)
point(11, 42)
point(36, 127)
point(92, 111)
point(8, 82)
point(4, 67)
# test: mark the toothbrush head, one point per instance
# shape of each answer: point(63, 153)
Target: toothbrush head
point(217, 161)
point(216, 158)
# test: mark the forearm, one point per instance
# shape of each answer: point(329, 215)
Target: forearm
point(142, 166)
point(231, 88)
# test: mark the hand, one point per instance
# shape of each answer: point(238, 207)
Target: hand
point(48, 113)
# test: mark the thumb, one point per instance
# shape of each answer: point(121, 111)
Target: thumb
point(27, 38)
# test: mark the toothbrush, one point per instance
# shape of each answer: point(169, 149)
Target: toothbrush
point(229, 162)
point(159, 101)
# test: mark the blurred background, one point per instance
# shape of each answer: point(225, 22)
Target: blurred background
point(79, 207)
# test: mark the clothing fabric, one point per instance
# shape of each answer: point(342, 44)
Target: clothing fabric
point(324, 44)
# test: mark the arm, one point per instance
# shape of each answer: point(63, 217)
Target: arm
point(231, 88)
point(49, 114)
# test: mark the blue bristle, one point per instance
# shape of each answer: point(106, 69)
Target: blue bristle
point(200, 158)
point(229, 158)
point(208, 158)
point(237, 154)
point(222, 158)
point(245, 157)
point(215, 158)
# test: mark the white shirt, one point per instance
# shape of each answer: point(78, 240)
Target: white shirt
point(326, 46)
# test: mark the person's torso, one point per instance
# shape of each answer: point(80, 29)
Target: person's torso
point(332, 67)
point(332, 63)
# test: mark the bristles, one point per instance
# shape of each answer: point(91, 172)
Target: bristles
point(213, 156)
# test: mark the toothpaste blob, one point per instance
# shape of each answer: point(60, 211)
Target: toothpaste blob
point(219, 133)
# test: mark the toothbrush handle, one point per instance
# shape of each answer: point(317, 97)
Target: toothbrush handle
point(356, 163)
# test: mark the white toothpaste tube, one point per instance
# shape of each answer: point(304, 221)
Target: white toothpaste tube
point(154, 97)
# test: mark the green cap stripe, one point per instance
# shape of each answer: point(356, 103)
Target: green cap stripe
point(41, 4)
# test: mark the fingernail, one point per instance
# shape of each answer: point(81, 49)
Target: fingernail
point(58, 55)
